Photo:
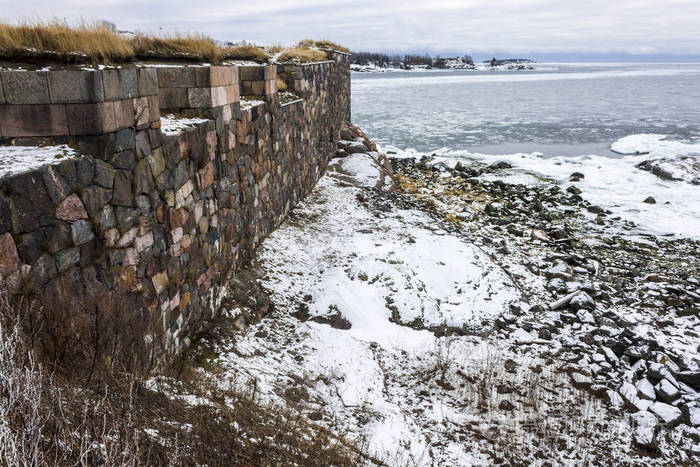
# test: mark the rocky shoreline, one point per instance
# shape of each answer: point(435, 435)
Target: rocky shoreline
point(457, 314)
point(622, 305)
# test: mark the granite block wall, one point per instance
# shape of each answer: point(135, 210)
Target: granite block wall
point(130, 245)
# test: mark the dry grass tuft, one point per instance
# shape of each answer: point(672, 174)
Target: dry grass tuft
point(61, 43)
point(246, 52)
point(118, 418)
point(324, 44)
point(193, 47)
point(57, 42)
point(281, 85)
point(302, 55)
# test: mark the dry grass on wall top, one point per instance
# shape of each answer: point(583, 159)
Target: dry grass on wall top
point(323, 44)
point(59, 42)
point(55, 42)
point(187, 47)
point(246, 52)
point(302, 55)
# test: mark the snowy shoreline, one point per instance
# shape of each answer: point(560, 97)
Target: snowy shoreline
point(466, 313)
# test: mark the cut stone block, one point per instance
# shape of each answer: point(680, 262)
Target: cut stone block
point(91, 119)
point(25, 87)
point(124, 113)
point(75, 87)
point(129, 83)
point(232, 93)
point(176, 77)
point(199, 97)
point(251, 73)
point(270, 73)
point(153, 109)
point(112, 85)
point(173, 98)
point(33, 120)
point(219, 96)
point(213, 76)
point(142, 114)
point(270, 87)
point(147, 81)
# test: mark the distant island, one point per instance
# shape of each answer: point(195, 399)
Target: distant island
point(381, 62)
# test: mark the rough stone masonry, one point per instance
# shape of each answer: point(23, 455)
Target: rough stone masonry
point(133, 241)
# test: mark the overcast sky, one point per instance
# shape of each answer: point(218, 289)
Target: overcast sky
point(545, 28)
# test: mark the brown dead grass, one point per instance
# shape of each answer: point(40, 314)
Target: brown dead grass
point(191, 417)
point(322, 44)
point(281, 85)
point(302, 55)
point(56, 42)
point(59, 42)
point(193, 47)
point(325, 44)
point(246, 52)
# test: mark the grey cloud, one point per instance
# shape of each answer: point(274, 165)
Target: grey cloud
point(439, 26)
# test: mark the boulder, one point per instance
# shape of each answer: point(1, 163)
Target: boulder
point(71, 209)
point(668, 414)
point(666, 391)
point(690, 414)
point(646, 428)
point(645, 389)
point(582, 301)
point(650, 200)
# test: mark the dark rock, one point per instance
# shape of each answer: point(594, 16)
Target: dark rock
point(576, 176)
point(85, 170)
point(67, 259)
point(574, 190)
point(81, 232)
point(123, 194)
point(126, 218)
point(650, 200)
point(691, 378)
point(32, 207)
point(104, 174)
point(5, 215)
point(94, 199)
point(582, 301)
point(60, 238)
point(30, 246)
point(500, 165)
point(43, 270)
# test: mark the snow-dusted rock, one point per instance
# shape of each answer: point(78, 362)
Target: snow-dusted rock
point(615, 398)
point(610, 356)
point(691, 414)
point(582, 301)
point(581, 381)
point(668, 414)
point(646, 427)
point(645, 389)
point(355, 147)
point(666, 391)
point(521, 336)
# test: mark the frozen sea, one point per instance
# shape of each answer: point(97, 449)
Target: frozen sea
point(555, 120)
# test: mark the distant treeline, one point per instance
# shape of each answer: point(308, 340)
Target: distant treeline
point(380, 59)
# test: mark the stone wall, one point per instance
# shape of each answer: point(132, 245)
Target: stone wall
point(130, 245)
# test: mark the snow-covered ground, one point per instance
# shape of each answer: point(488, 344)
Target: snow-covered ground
point(172, 124)
point(18, 159)
point(391, 328)
point(617, 183)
